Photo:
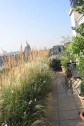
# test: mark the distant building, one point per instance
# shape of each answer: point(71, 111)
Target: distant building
point(4, 55)
point(76, 18)
point(56, 50)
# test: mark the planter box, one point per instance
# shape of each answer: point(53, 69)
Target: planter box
point(63, 69)
point(81, 99)
point(82, 115)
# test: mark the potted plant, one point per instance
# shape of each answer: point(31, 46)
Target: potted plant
point(64, 66)
point(81, 96)
point(82, 115)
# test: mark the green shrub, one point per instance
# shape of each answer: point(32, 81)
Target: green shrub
point(24, 96)
point(64, 63)
point(55, 64)
point(82, 88)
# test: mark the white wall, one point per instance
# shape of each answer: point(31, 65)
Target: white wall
point(76, 20)
point(80, 20)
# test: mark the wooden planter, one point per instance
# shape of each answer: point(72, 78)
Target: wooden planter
point(82, 112)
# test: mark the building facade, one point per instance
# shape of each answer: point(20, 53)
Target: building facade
point(76, 18)
point(56, 51)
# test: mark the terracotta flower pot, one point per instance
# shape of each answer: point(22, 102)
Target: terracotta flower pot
point(63, 70)
point(82, 115)
point(81, 99)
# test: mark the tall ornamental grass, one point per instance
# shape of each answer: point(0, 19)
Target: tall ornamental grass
point(24, 95)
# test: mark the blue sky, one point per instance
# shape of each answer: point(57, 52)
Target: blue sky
point(40, 22)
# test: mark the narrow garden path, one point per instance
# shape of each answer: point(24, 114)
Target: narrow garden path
point(63, 107)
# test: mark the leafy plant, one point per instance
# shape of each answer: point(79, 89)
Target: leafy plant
point(78, 45)
point(80, 65)
point(75, 50)
point(67, 55)
point(55, 64)
point(82, 88)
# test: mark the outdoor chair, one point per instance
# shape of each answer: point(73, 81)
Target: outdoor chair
point(67, 78)
point(74, 73)
point(73, 77)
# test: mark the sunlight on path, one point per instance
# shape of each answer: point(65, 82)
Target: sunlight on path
point(63, 107)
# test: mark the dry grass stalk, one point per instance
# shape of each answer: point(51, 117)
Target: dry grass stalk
point(12, 63)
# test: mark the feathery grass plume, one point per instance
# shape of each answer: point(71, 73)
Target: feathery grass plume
point(11, 67)
point(24, 96)
point(5, 66)
point(21, 59)
point(5, 71)
point(0, 80)
point(40, 123)
point(31, 56)
point(21, 55)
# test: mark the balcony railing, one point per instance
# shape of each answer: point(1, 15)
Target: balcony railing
point(74, 3)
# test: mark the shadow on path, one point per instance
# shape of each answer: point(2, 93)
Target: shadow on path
point(63, 107)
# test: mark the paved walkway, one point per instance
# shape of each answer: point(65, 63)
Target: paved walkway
point(63, 106)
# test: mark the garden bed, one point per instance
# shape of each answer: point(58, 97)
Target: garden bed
point(24, 95)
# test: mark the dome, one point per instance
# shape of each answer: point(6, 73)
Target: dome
point(27, 48)
point(2, 52)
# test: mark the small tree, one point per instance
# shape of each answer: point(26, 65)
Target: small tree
point(66, 39)
point(78, 42)
point(75, 49)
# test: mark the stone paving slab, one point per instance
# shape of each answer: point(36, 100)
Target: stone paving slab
point(63, 107)
point(66, 100)
point(52, 116)
point(62, 90)
point(70, 106)
point(66, 115)
point(76, 122)
point(54, 123)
